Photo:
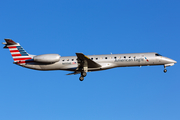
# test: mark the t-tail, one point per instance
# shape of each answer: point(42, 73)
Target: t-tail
point(19, 55)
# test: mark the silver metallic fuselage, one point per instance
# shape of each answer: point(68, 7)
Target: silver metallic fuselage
point(81, 64)
point(70, 63)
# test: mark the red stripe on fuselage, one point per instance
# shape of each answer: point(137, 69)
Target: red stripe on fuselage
point(17, 59)
point(20, 62)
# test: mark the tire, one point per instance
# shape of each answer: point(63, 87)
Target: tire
point(165, 70)
point(81, 78)
point(83, 74)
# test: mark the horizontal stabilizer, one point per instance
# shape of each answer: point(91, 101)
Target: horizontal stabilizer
point(10, 42)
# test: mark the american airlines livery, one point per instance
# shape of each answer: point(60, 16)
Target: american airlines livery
point(81, 64)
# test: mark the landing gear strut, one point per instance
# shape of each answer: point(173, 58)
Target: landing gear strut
point(165, 70)
point(83, 74)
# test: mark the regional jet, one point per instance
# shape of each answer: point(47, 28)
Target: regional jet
point(81, 64)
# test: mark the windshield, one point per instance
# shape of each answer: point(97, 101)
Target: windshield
point(157, 54)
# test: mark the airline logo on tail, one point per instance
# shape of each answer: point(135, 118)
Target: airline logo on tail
point(18, 53)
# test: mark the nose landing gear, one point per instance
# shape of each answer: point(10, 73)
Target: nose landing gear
point(165, 70)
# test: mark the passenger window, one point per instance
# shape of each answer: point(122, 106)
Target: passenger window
point(63, 60)
point(114, 57)
point(134, 56)
point(124, 56)
point(67, 59)
point(91, 58)
point(129, 56)
point(72, 59)
point(96, 58)
point(105, 57)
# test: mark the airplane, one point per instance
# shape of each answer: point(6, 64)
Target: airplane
point(81, 64)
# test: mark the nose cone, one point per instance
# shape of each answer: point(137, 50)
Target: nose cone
point(169, 60)
point(174, 61)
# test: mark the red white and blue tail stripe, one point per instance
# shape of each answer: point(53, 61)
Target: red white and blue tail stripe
point(18, 53)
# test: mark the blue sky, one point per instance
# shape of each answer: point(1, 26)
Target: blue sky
point(90, 27)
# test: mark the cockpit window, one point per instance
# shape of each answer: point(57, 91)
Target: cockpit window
point(157, 54)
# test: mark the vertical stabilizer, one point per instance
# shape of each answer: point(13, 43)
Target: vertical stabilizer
point(18, 53)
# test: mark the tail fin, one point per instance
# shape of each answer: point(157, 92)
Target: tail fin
point(17, 52)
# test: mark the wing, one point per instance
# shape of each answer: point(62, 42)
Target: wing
point(83, 64)
point(84, 61)
point(74, 73)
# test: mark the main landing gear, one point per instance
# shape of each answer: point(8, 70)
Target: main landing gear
point(83, 74)
point(165, 70)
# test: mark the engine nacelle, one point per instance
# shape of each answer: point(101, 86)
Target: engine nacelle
point(47, 58)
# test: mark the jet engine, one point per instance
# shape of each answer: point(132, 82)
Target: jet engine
point(47, 58)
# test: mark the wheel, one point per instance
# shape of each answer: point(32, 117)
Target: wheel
point(165, 70)
point(83, 74)
point(81, 78)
